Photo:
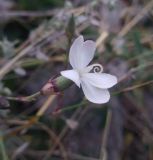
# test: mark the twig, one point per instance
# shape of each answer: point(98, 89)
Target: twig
point(2, 148)
point(55, 139)
point(25, 99)
point(62, 134)
point(45, 105)
point(133, 87)
point(136, 19)
point(10, 65)
point(100, 40)
point(35, 118)
point(38, 14)
point(133, 70)
point(103, 154)
point(34, 14)
point(75, 156)
point(71, 107)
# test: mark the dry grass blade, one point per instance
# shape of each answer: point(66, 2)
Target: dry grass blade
point(45, 106)
point(136, 19)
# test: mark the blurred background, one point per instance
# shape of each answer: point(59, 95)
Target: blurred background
point(35, 37)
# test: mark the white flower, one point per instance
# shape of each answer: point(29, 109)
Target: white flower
point(94, 83)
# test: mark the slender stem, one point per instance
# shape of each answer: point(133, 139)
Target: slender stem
point(130, 88)
point(45, 106)
point(2, 149)
point(103, 154)
point(72, 107)
point(25, 99)
point(35, 14)
point(136, 19)
point(134, 70)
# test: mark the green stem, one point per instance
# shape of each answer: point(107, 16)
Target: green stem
point(73, 106)
point(103, 154)
point(25, 99)
point(2, 150)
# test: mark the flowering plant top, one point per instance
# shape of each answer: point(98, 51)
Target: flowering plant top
point(91, 79)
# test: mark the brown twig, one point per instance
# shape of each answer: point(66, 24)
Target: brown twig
point(136, 19)
point(25, 99)
point(33, 14)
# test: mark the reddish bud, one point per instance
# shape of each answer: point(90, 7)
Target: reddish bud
point(48, 88)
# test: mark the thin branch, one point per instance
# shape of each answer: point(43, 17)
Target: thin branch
point(103, 154)
point(55, 139)
point(136, 19)
point(2, 149)
point(45, 106)
point(33, 14)
point(25, 99)
point(130, 88)
point(133, 70)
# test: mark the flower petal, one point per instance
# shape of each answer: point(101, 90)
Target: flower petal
point(74, 52)
point(89, 48)
point(81, 53)
point(72, 75)
point(100, 80)
point(94, 94)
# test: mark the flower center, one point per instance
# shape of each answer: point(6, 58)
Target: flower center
point(97, 68)
point(94, 68)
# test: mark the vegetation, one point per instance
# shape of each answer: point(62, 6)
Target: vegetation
point(45, 117)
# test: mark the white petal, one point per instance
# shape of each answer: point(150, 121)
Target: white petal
point(94, 94)
point(81, 53)
point(100, 80)
point(89, 48)
point(74, 50)
point(72, 75)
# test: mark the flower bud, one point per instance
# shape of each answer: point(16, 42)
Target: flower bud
point(56, 85)
point(47, 88)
